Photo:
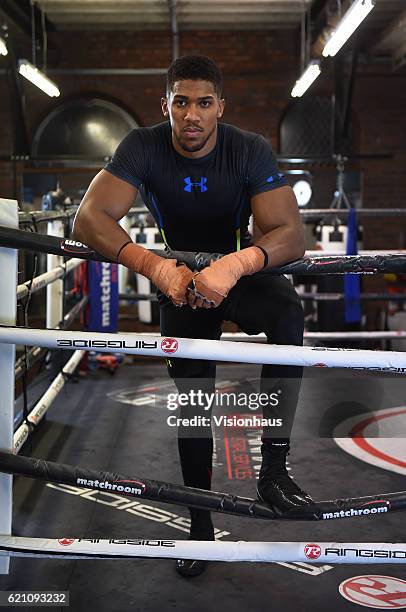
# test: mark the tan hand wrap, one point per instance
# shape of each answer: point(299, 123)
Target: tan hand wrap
point(214, 283)
point(164, 273)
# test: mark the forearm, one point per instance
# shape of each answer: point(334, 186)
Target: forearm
point(100, 232)
point(282, 245)
point(103, 233)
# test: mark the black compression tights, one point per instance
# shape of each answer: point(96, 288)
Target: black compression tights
point(258, 303)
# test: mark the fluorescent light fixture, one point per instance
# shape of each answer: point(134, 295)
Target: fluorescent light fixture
point(308, 77)
point(347, 26)
point(38, 78)
point(3, 46)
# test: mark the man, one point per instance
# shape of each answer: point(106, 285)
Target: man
point(201, 180)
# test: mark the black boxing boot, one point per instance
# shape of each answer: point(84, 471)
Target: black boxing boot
point(201, 528)
point(276, 488)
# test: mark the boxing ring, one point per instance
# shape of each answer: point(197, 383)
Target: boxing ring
point(135, 487)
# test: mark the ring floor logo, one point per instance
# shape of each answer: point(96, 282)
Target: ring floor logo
point(148, 394)
point(139, 509)
point(373, 591)
point(377, 439)
point(242, 451)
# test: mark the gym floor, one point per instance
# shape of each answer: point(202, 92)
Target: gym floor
point(116, 423)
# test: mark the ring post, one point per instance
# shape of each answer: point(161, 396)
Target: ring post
point(54, 312)
point(8, 310)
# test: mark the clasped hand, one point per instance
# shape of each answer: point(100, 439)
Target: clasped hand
point(208, 288)
point(195, 289)
point(205, 289)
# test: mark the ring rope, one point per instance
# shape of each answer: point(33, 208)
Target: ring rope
point(41, 281)
point(226, 503)
point(35, 352)
point(268, 552)
point(35, 416)
point(356, 264)
point(218, 350)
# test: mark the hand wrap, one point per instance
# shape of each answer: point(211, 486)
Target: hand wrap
point(214, 283)
point(170, 278)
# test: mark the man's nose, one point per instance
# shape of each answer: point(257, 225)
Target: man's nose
point(192, 113)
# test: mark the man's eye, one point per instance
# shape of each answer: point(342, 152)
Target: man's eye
point(205, 103)
point(180, 103)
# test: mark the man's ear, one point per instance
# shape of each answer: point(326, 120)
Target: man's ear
point(221, 106)
point(164, 107)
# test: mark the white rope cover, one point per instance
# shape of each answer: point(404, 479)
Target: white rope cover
point(270, 552)
point(243, 352)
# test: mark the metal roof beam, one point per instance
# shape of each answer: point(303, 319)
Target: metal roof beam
point(19, 14)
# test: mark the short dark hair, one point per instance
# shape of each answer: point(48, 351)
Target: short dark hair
point(195, 68)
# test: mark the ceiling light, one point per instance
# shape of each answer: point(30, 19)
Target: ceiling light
point(38, 78)
point(3, 46)
point(348, 24)
point(308, 77)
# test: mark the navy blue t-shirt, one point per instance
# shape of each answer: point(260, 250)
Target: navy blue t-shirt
point(198, 204)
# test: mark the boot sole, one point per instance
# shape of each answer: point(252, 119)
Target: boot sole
point(191, 572)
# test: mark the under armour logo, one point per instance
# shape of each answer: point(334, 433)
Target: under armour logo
point(271, 179)
point(190, 184)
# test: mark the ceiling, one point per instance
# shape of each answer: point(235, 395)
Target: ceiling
point(392, 40)
point(385, 26)
point(190, 14)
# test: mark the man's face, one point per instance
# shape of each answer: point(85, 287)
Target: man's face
point(193, 109)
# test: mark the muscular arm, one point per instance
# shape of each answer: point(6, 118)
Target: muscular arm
point(277, 217)
point(106, 201)
point(276, 214)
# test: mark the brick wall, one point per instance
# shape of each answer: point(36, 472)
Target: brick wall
point(259, 70)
